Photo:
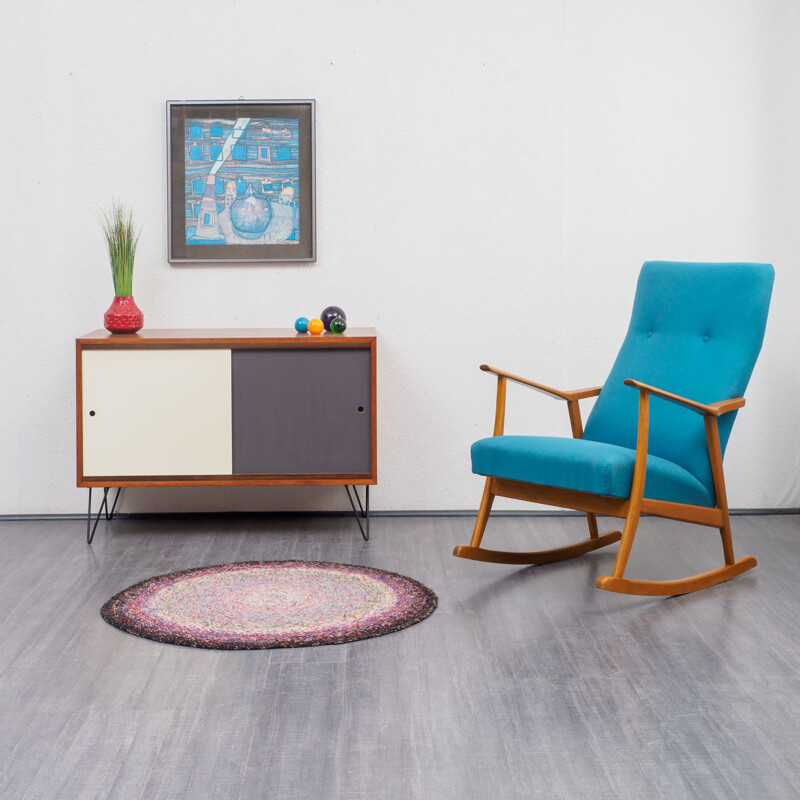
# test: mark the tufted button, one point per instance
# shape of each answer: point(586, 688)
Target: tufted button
point(649, 334)
point(705, 338)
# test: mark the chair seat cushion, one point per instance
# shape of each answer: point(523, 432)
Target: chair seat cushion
point(584, 466)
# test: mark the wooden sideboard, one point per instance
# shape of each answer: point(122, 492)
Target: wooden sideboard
point(254, 407)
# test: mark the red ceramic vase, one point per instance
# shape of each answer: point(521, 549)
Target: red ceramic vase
point(124, 316)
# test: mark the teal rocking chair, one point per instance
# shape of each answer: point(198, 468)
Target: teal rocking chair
point(655, 439)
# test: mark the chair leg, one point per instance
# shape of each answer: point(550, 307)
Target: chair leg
point(628, 535)
point(727, 542)
point(475, 552)
point(483, 514)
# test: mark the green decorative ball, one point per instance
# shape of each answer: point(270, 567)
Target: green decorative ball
point(338, 325)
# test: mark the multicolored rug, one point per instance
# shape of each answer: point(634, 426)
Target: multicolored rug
point(256, 605)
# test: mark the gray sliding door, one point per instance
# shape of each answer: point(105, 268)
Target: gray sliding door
point(301, 411)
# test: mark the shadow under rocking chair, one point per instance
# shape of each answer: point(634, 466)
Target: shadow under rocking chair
point(693, 340)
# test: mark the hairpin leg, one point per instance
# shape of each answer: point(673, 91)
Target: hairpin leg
point(90, 528)
point(362, 512)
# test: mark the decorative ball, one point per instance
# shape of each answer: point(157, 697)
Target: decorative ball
point(315, 326)
point(329, 314)
point(338, 325)
point(301, 324)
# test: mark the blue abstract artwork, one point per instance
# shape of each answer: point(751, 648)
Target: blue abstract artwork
point(242, 181)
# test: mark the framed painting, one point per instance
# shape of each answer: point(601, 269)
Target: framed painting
point(241, 181)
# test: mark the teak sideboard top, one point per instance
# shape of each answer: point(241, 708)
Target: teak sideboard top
point(227, 337)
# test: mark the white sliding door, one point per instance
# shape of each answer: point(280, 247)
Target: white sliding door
point(156, 412)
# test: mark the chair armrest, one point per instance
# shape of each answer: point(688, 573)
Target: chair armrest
point(706, 409)
point(577, 394)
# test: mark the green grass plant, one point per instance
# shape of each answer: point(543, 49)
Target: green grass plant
point(121, 238)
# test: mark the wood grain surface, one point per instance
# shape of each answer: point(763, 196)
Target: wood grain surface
point(525, 683)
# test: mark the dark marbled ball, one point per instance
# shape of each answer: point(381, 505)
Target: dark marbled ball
point(329, 314)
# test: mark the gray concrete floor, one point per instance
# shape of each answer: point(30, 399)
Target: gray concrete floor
point(525, 683)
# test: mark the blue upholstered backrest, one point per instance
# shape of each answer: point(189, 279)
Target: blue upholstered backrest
point(696, 330)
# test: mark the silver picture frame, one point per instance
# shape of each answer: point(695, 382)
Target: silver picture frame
point(241, 181)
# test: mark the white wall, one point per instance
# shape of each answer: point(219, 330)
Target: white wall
point(516, 163)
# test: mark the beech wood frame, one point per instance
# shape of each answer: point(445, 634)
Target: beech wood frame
point(629, 509)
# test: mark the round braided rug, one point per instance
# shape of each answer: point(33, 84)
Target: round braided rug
point(254, 605)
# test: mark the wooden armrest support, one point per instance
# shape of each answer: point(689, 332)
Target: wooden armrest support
point(577, 394)
point(707, 409)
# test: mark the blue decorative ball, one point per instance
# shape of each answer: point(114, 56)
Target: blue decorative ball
point(301, 324)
